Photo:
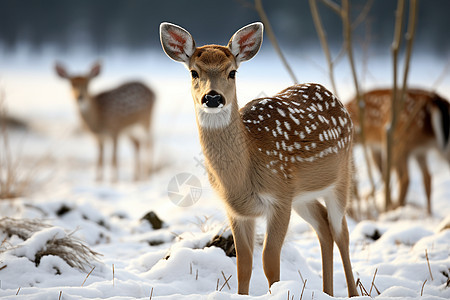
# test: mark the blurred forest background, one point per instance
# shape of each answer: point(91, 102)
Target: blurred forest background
point(102, 25)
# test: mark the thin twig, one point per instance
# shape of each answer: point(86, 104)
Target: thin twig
point(60, 295)
point(226, 282)
point(18, 291)
point(151, 294)
point(196, 275)
point(217, 285)
point(262, 14)
point(87, 276)
point(429, 267)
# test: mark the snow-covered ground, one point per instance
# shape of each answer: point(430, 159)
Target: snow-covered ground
point(407, 250)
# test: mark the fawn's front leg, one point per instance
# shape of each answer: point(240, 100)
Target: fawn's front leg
point(277, 225)
point(100, 159)
point(243, 233)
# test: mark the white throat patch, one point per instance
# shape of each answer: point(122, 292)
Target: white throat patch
point(213, 118)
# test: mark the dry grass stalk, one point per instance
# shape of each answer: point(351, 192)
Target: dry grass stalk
point(196, 275)
point(15, 179)
point(429, 267)
point(151, 294)
point(217, 285)
point(87, 276)
point(71, 250)
point(224, 277)
point(362, 288)
point(113, 273)
point(423, 286)
point(373, 282)
point(301, 277)
point(303, 289)
point(225, 283)
point(18, 291)
point(269, 31)
point(60, 295)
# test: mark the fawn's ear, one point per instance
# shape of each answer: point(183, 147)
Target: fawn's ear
point(245, 43)
point(95, 70)
point(61, 71)
point(176, 42)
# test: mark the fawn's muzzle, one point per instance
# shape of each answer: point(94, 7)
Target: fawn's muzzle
point(213, 100)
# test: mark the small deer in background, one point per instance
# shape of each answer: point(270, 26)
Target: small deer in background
point(423, 124)
point(274, 154)
point(126, 109)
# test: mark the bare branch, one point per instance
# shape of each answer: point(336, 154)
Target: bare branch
point(362, 16)
point(272, 38)
point(409, 38)
point(323, 41)
point(334, 6)
point(442, 75)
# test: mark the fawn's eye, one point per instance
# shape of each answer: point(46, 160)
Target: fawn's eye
point(232, 74)
point(194, 74)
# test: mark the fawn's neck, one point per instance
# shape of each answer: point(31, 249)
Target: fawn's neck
point(226, 150)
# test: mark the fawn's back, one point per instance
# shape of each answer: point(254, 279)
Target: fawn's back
point(122, 107)
point(422, 122)
point(298, 128)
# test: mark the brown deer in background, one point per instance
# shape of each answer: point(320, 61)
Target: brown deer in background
point(423, 124)
point(126, 110)
point(274, 154)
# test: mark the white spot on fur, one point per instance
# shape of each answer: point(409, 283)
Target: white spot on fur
point(281, 112)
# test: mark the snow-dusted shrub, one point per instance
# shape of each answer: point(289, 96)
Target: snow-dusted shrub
point(41, 239)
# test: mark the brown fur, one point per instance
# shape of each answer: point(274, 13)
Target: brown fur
point(110, 113)
point(249, 176)
point(414, 135)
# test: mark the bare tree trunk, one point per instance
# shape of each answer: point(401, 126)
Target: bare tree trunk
point(391, 126)
point(345, 15)
point(272, 38)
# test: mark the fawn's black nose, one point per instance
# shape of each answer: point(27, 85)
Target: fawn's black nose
point(213, 99)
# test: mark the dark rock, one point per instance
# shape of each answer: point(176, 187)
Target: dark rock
point(153, 219)
point(226, 244)
point(374, 236)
